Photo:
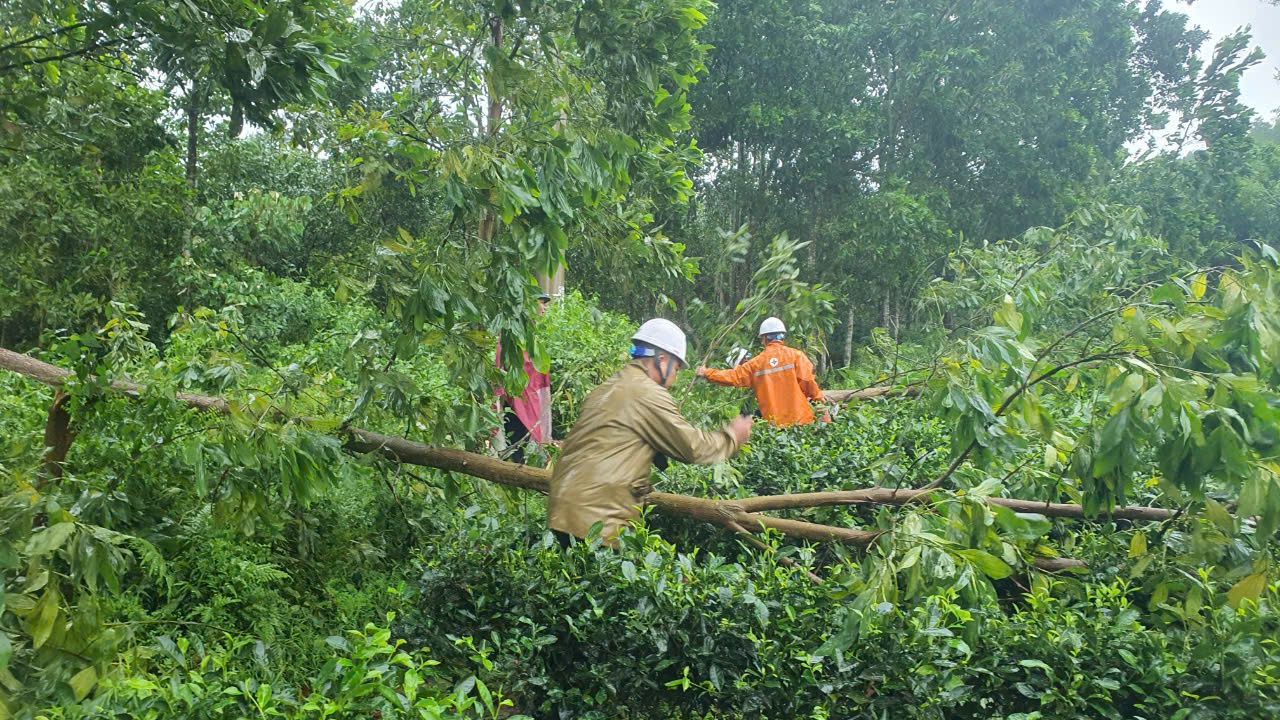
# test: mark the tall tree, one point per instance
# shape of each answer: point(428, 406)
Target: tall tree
point(508, 130)
point(78, 89)
point(886, 132)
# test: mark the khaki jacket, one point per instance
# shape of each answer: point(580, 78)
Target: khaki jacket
point(783, 380)
point(603, 473)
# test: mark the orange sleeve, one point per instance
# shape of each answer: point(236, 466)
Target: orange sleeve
point(805, 376)
point(741, 376)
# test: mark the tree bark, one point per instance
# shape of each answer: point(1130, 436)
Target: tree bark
point(888, 496)
point(56, 377)
point(841, 396)
point(848, 335)
point(195, 107)
point(57, 436)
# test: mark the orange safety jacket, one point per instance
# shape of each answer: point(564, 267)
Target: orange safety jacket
point(783, 380)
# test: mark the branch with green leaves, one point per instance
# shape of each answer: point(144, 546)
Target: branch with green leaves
point(735, 515)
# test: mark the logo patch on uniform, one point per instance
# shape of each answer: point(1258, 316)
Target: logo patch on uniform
point(773, 362)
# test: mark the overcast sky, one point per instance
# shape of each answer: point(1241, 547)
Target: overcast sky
point(1259, 87)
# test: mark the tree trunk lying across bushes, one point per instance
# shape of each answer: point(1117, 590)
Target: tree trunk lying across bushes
point(734, 515)
point(885, 391)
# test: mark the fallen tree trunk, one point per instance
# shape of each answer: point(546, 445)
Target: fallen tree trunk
point(888, 496)
point(717, 512)
point(481, 466)
point(841, 396)
point(734, 515)
point(56, 377)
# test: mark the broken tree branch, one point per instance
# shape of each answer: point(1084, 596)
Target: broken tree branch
point(486, 468)
point(888, 496)
point(736, 515)
point(716, 512)
point(1026, 384)
point(885, 391)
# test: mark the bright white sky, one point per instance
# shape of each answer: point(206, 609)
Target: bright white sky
point(1259, 87)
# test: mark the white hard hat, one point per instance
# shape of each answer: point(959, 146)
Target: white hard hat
point(663, 335)
point(771, 325)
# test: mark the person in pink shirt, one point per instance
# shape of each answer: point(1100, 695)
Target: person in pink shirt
point(527, 417)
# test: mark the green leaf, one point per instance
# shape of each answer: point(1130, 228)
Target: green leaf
point(1113, 432)
point(1051, 457)
point(1218, 515)
point(1250, 587)
point(49, 539)
point(45, 617)
point(1254, 496)
point(1195, 600)
point(1032, 663)
point(1158, 595)
point(1108, 683)
point(990, 565)
point(9, 682)
point(1169, 292)
point(82, 682)
point(1198, 286)
point(1138, 545)
point(1008, 315)
point(1022, 526)
point(20, 605)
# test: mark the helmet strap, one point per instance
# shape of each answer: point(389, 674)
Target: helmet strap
point(664, 369)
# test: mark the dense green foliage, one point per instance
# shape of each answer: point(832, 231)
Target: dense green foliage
point(945, 198)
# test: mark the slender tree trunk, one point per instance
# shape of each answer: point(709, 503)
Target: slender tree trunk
point(195, 108)
point(493, 117)
point(495, 102)
point(848, 335)
point(897, 315)
point(553, 284)
point(488, 226)
point(57, 436)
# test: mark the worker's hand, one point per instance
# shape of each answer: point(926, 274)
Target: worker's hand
point(741, 428)
point(701, 371)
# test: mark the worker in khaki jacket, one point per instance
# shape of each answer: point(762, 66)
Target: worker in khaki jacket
point(602, 476)
point(781, 376)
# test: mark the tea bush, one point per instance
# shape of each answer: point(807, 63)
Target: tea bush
point(368, 675)
point(651, 632)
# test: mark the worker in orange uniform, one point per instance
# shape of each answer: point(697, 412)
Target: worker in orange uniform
point(781, 376)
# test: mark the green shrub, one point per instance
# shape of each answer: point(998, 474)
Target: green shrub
point(368, 675)
point(649, 632)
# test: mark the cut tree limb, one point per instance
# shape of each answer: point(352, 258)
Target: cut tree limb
point(56, 377)
point(486, 468)
point(716, 512)
point(888, 496)
point(735, 515)
point(884, 391)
